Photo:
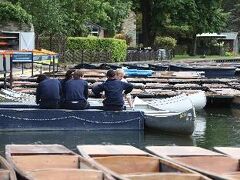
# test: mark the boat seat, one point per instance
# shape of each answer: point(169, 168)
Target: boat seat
point(129, 164)
point(4, 174)
point(65, 174)
point(163, 176)
point(31, 162)
point(217, 165)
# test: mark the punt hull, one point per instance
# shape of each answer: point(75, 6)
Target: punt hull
point(209, 71)
point(180, 123)
point(6, 171)
point(19, 119)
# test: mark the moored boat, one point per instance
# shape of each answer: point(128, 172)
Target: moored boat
point(167, 121)
point(40, 162)
point(198, 99)
point(6, 171)
point(210, 71)
point(22, 117)
point(210, 163)
point(179, 103)
point(182, 102)
point(125, 161)
point(230, 151)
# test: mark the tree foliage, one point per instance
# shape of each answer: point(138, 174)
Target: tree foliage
point(197, 16)
point(71, 16)
point(14, 13)
point(234, 20)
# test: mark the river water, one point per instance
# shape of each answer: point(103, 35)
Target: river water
point(213, 127)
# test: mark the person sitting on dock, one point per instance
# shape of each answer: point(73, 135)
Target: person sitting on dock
point(48, 92)
point(120, 76)
point(113, 89)
point(76, 92)
point(67, 77)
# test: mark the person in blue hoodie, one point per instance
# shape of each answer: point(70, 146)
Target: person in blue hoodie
point(48, 92)
point(76, 92)
point(114, 90)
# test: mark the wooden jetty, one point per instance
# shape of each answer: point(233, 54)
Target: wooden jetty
point(212, 164)
point(51, 162)
point(132, 163)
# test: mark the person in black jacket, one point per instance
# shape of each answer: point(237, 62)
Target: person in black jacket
point(113, 89)
point(76, 92)
point(48, 92)
point(67, 77)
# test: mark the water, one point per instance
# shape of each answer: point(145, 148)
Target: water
point(214, 127)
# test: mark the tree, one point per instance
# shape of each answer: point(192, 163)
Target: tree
point(14, 13)
point(198, 15)
point(233, 23)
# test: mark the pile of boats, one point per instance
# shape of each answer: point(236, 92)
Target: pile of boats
point(209, 69)
point(122, 162)
point(175, 115)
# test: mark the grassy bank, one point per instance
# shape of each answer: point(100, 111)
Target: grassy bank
point(195, 58)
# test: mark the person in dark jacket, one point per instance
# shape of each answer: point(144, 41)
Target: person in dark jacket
point(76, 92)
point(67, 77)
point(48, 92)
point(113, 89)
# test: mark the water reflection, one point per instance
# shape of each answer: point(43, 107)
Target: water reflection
point(222, 128)
point(71, 138)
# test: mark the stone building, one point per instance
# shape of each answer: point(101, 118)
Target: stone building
point(129, 28)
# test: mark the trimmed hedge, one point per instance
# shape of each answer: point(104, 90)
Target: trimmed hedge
point(116, 47)
point(165, 42)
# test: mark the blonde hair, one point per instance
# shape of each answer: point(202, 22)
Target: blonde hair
point(120, 71)
point(77, 74)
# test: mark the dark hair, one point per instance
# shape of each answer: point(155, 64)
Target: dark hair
point(69, 73)
point(110, 73)
point(41, 77)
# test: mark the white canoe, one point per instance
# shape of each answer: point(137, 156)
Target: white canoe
point(164, 120)
point(181, 103)
point(199, 99)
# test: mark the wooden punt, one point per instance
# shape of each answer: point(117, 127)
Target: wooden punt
point(6, 171)
point(230, 151)
point(128, 162)
point(210, 163)
point(50, 162)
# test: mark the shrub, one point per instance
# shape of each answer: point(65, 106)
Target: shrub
point(116, 47)
point(165, 42)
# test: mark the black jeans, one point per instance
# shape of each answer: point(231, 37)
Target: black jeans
point(49, 105)
point(76, 105)
point(112, 108)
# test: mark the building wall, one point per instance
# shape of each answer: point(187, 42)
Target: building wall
point(11, 26)
point(129, 27)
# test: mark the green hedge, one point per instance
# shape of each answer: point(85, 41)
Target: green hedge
point(116, 47)
point(165, 42)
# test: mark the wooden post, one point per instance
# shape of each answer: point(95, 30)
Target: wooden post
point(32, 64)
point(5, 71)
point(53, 66)
point(11, 69)
point(22, 68)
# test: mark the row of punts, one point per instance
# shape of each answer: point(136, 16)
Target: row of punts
point(122, 162)
point(211, 70)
